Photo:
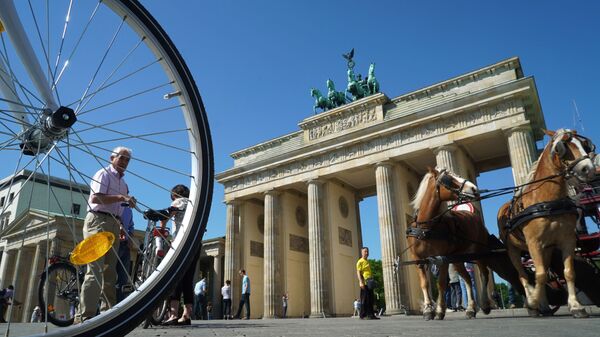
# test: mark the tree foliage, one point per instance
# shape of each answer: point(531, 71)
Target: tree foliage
point(377, 270)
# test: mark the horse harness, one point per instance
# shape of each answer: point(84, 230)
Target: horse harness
point(421, 233)
point(538, 210)
point(554, 207)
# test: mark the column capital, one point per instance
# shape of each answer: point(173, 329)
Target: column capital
point(272, 192)
point(232, 202)
point(450, 147)
point(316, 181)
point(384, 163)
point(522, 127)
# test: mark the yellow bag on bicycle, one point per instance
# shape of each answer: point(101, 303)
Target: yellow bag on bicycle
point(92, 248)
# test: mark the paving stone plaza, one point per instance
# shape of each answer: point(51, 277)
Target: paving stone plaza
point(508, 323)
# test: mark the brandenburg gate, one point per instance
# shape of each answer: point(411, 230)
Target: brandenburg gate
point(293, 220)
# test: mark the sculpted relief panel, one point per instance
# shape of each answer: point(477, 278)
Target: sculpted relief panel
point(403, 137)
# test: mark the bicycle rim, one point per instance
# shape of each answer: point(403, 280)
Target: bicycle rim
point(128, 85)
point(62, 289)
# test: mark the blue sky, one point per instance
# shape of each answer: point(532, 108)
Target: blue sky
point(255, 61)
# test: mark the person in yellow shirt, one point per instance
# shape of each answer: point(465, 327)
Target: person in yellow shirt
point(367, 285)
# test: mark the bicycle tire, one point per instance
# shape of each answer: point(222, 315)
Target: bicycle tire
point(128, 314)
point(157, 314)
point(71, 273)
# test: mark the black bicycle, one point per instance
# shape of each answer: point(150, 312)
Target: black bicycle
point(60, 285)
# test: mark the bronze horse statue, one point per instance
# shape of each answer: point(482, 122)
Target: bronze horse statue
point(439, 232)
point(337, 98)
point(372, 83)
point(321, 101)
point(541, 218)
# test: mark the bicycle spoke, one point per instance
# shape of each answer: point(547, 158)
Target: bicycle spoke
point(139, 93)
point(97, 158)
point(62, 38)
point(88, 178)
point(6, 61)
point(67, 61)
point(104, 86)
point(46, 57)
point(153, 164)
point(112, 41)
point(140, 136)
point(146, 114)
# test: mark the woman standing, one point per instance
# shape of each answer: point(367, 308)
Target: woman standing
point(179, 197)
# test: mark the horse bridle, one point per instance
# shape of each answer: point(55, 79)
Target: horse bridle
point(588, 147)
point(445, 179)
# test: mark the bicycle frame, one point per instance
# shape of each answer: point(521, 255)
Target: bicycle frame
point(13, 26)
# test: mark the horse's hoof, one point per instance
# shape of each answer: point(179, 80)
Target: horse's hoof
point(470, 314)
point(549, 311)
point(428, 315)
point(486, 311)
point(533, 312)
point(440, 316)
point(579, 313)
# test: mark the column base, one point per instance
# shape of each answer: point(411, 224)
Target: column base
point(318, 315)
point(393, 312)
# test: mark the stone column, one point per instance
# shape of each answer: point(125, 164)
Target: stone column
point(17, 283)
point(445, 159)
point(6, 267)
point(359, 224)
point(31, 299)
point(217, 283)
point(272, 255)
point(231, 257)
point(318, 251)
point(522, 150)
point(388, 224)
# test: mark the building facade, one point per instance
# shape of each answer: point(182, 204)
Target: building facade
point(293, 215)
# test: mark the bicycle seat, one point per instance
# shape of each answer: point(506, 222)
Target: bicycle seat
point(154, 215)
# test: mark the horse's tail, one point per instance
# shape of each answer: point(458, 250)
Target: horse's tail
point(501, 264)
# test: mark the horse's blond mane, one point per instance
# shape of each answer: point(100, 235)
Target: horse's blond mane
point(530, 176)
point(420, 191)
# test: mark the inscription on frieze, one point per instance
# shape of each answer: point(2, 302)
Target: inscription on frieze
point(344, 122)
point(257, 249)
point(404, 137)
point(345, 236)
point(298, 243)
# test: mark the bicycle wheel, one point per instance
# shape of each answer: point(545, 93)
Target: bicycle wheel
point(63, 294)
point(112, 64)
point(157, 315)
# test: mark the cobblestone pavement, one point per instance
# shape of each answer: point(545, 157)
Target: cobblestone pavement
point(513, 323)
point(509, 323)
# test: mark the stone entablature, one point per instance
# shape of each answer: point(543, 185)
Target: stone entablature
point(501, 72)
point(505, 109)
point(370, 110)
point(348, 117)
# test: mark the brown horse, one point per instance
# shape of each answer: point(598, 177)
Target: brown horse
point(437, 231)
point(540, 218)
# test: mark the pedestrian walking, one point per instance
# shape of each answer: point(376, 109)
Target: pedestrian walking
point(245, 300)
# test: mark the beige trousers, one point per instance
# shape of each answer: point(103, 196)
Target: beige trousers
point(101, 275)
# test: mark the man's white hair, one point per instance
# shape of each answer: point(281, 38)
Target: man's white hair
point(118, 150)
